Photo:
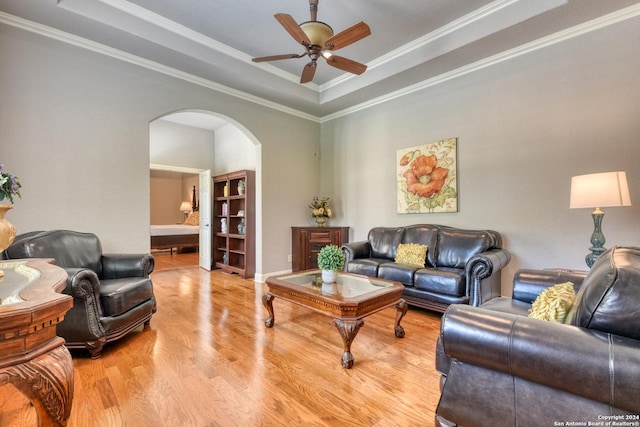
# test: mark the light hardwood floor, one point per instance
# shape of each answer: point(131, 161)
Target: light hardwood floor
point(208, 360)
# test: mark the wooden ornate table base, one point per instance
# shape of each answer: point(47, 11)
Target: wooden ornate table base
point(47, 381)
point(32, 358)
point(353, 298)
point(349, 329)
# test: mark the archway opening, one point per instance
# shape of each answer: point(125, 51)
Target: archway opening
point(184, 143)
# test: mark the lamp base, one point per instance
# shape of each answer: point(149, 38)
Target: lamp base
point(597, 238)
point(593, 256)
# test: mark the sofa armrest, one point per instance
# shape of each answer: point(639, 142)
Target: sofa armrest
point(584, 362)
point(528, 283)
point(116, 266)
point(82, 322)
point(483, 275)
point(355, 250)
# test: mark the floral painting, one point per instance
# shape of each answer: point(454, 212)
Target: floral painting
point(427, 178)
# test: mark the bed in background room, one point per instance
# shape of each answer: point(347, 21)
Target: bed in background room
point(175, 236)
point(180, 236)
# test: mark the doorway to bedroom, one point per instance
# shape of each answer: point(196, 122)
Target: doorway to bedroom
point(181, 146)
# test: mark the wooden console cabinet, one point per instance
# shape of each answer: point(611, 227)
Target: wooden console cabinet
point(306, 242)
point(234, 223)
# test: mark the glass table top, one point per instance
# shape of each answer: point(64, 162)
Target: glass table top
point(17, 276)
point(346, 285)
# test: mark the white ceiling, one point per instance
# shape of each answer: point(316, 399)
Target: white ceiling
point(413, 42)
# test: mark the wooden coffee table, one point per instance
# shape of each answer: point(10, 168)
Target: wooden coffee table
point(348, 301)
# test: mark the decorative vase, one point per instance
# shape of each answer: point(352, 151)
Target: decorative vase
point(241, 187)
point(7, 231)
point(329, 276)
point(320, 220)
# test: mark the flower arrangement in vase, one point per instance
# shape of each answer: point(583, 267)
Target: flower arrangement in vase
point(9, 187)
point(330, 261)
point(321, 210)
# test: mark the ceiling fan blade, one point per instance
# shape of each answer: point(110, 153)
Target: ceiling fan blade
point(277, 57)
point(348, 36)
point(308, 72)
point(346, 64)
point(293, 28)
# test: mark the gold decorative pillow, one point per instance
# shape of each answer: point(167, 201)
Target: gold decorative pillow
point(412, 254)
point(553, 303)
point(192, 219)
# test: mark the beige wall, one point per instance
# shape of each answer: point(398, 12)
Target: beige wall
point(167, 192)
point(75, 128)
point(524, 128)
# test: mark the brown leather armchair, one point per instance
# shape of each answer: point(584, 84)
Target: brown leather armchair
point(112, 293)
point(502, 368)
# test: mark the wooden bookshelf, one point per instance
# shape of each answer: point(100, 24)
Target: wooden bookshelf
point(234, 245)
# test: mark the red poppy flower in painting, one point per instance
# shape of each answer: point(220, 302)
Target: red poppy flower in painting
point(424, 177)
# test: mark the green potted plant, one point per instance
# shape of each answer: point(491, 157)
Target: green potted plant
point(330, 261)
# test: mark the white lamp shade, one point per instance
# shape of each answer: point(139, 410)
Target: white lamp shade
point(600, 190)
point(185, 207)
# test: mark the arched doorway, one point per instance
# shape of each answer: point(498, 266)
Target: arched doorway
point(190, 141)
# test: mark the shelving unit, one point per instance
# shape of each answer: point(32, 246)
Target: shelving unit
point(233, 250)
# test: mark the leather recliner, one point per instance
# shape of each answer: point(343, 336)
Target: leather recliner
point(501, 368)
point(112, 293)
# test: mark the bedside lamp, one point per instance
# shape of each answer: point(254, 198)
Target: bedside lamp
point(599, 190)
point(186, 208)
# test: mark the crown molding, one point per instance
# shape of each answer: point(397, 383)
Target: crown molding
point(558, 37)
point(92, 10)
point(102, 49)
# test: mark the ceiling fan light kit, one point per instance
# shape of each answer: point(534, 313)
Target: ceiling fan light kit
point(317, 32)
point(318, 39)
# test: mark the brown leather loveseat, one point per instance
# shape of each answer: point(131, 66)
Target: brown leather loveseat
point(460, 266)
point(112, 293)
point(501, 368)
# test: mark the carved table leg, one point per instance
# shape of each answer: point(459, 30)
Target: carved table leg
point(267, 300)
point(401, 310)
point(348, 330)
point(47, 381)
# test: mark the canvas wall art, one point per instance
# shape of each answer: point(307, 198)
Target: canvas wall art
point(427, 177)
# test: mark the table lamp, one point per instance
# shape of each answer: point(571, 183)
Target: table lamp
point(186, 208)
point(599, 190)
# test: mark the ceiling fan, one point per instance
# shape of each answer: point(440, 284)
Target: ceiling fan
point(318, 39)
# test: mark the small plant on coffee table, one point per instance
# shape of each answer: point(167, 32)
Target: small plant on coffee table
point(330, 259)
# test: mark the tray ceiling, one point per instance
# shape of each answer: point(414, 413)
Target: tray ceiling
point(413, 43)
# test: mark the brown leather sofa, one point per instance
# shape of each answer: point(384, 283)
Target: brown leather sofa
point(112, 293)
point(502, 368)
point(461, 266)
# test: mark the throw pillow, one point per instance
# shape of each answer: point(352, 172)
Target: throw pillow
point(192, 219)
point(553, 303)
point(412, 254)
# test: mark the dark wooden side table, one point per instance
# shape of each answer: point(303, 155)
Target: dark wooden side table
point(306, 242)
point(32, 357)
